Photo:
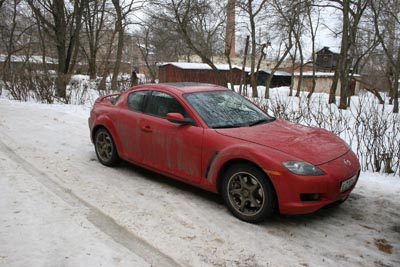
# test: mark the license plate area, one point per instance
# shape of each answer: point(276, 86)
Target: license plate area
point(346, 184)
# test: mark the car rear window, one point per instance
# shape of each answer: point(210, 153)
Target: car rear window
point(136, 100)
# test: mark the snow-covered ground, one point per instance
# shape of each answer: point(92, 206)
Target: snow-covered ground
point(60, 207)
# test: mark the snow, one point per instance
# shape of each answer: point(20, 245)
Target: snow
point(203, 66)
point(320, 74)
point(60, 207)
point(31, 59)
point(277, 73)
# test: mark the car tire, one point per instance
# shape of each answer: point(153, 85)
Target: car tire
point(106, 150)
point(248, 193)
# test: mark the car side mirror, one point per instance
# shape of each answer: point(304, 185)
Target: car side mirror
point(179, 118)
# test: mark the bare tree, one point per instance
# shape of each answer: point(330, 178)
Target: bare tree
point(387, 25)
point(313, 20)
point(122, 10)
point(297, 12)
point(198, 23)
point(62, 22)
point(119, 28)
point(147, 52)
point(17, 34)
point(254, 11)
point(352, 12)
point(1, 3)
point(167, 44)
point(94, 23)
point(107, 63)
point(290, 18)
point(9, 38)
point(281, 57)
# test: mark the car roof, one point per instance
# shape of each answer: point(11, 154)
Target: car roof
point(184, 87)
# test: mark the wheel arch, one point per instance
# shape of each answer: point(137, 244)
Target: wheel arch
point(95, 129)
point(109, 128)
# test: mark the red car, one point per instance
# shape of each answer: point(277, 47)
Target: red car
point(215, 139)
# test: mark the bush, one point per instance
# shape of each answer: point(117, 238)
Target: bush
point(30, 85)
point(370, 128)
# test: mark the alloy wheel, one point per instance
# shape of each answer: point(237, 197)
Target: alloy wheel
point(245, 193)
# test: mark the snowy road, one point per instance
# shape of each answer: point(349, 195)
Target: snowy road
point(61, 207)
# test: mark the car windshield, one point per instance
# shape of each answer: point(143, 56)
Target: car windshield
point(226, 109)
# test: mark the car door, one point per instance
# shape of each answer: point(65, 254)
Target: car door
point(172, 148)
point(130, 133)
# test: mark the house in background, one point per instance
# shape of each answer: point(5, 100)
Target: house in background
point(280, 78)
point(202, 73)
point(21, 62)
point(171, 72)
point(325, 63)
point(326, 59)
point(324, 82)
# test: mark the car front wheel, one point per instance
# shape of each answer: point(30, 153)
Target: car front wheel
point(105, 148)
point(248, 193)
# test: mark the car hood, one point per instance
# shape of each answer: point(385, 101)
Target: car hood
point(310, 144)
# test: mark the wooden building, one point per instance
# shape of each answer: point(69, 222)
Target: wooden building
point(198, 72)
point(326, 59)
point(279, 79)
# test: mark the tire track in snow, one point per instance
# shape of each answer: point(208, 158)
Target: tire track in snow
point(102, 221)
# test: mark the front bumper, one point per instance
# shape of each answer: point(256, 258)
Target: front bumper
point(305, 194)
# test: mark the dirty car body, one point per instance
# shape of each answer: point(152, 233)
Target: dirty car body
point(215, 139)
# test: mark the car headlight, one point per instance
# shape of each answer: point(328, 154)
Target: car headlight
point(302, 168)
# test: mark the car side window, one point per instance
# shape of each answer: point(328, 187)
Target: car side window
point(161, 103)
point(136, 100)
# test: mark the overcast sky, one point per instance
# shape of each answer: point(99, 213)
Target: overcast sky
point(329, 22)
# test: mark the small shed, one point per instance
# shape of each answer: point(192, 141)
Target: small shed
point(280, 78)
point(198, 72)
point(324, 82)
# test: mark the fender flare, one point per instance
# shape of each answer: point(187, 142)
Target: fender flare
point(105, 122)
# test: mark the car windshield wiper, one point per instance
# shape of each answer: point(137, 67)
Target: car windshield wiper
point(261, 121)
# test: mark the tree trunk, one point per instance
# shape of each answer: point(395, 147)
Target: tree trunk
point(292, 84)
point(92, 66)
point(268, 85)
point(396, 84)
point(243, 74)
point(332, 91)
point(61, 84)
point(60, 37)
point(301, 67)
point(253, 81)
point(120, 29)
point(344, 59)
point(271, 76)
point(313, 33)
point(106, 70)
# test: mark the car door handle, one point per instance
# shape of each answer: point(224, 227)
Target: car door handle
point(147, 129)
